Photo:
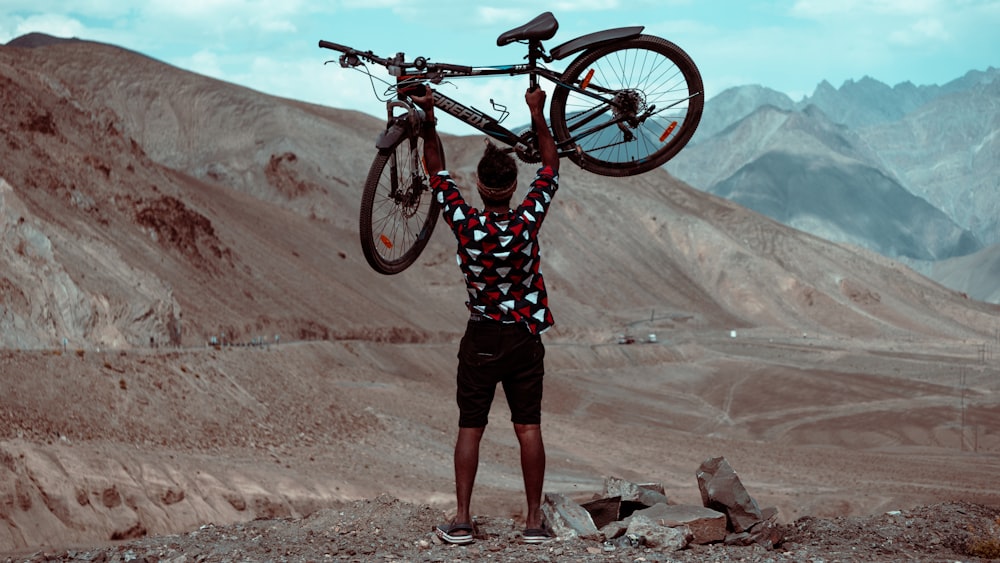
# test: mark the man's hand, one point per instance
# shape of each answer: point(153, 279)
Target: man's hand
point(536, 100)
point(425, 102)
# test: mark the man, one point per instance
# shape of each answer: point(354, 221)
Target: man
point(508, 305)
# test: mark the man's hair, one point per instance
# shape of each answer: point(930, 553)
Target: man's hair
point(497, 172)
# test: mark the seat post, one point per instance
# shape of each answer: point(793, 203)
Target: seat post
point(535, 52)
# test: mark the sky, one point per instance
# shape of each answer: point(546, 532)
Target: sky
point(271, 45)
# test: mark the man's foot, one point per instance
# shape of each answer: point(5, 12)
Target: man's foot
point(536, 535)
point(458, 533)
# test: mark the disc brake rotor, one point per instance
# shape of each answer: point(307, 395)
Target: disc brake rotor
point(628, 104)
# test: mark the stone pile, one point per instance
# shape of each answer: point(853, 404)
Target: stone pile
point(629, 514)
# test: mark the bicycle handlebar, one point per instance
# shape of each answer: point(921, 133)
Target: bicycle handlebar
point(334, 46)
point(351, 57)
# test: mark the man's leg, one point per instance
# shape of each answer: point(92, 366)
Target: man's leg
point(529, 436)
point(466, 464)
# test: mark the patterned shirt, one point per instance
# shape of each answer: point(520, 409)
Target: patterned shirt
point(498, 252)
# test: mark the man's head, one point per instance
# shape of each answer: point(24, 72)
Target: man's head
point(497, 172)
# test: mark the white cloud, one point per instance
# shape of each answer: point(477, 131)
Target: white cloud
point(223, 15)
point(194, 9)
point(53, 24)
point(352, 4)
point(584, 5)
point(95, 8)
point(817, 9)
point(920, 32)
point(278, 26)
point(489, 16)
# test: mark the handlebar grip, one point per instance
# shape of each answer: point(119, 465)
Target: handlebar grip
point(334, 46)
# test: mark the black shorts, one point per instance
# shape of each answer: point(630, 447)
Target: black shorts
point(491, 353)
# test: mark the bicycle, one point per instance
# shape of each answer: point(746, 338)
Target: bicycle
point(625, 105)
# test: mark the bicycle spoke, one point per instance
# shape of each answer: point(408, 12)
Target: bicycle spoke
point(398, 213)
point(656, 79)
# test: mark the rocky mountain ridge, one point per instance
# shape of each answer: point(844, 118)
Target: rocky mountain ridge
point(933, 148)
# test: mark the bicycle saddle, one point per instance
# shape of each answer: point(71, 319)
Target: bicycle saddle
point(541, 28)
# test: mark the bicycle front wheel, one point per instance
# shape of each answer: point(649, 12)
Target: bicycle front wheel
point(398, 210)
point(642, 100)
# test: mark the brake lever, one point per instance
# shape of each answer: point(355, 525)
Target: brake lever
point(349, 60)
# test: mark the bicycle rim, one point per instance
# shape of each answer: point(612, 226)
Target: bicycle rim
point(398, 211)
point(631, 78)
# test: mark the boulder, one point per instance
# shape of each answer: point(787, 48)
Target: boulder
point(645, 494)
point(604, 511)
point(722, 490)
point(657, 536)
point(568, 519)
point(705, 525)
point(613, 530)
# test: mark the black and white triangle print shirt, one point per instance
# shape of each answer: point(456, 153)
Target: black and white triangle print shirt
point(498, 252)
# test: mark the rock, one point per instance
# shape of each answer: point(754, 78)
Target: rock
point(614, 529)
point(767, 532)
point(722, 490)
point(646, 494)
point(656, 536)
point(604, 511)
point(568, 519)
point(706, 525)
point(738, 538)
point(628, 540)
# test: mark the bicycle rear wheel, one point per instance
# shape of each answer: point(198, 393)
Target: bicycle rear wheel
point(398, 210)
point(649, 99)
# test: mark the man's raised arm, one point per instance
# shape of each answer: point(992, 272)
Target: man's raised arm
point(546, 144)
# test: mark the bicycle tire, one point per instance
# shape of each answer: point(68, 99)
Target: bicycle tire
point(396, 223)
point(643, 71)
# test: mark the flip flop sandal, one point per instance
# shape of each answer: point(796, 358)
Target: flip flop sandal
point(449, 533)
point(535, 535)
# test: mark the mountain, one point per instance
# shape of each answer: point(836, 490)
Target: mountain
point(975, 275)
point(733, 104)
point(801, 169)
point(948, 152)
point(914, 166)
point(856, 104)
point(868, 102)
point(837, 201)
point(863, 103)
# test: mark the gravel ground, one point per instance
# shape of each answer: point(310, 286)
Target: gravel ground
point(387, 529)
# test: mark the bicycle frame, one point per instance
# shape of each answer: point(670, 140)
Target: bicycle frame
point(435, 73)
point(488, 124)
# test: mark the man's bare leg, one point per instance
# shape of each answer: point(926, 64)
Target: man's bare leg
point(466, 464)
point(529, 436)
